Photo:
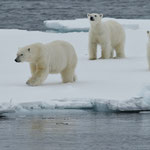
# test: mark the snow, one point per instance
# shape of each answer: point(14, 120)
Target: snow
point(102, 85)
point(78, 25)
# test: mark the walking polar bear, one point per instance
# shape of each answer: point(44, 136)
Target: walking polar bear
point(55, 57)
point(110, 35)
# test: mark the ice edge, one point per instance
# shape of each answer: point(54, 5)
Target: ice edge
point(101, 105)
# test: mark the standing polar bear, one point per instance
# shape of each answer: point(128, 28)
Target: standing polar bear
point(55, 57)
point(110, 35)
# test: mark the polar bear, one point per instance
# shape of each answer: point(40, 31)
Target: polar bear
point(148, 49)
point(110, 35)
point(51, 58)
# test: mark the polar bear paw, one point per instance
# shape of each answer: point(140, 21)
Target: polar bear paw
point(33, 82)
point(92, 58)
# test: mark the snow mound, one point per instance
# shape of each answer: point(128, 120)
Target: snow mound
point(82, 25)
point(6, 108)
point(132, 105)
point(62, 26)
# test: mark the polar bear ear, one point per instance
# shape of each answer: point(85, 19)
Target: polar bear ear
point(101, 15)
point(88, 14)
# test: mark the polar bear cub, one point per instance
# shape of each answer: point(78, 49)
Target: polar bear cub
point(148, 49)
point(51, 58)
point(110, 35)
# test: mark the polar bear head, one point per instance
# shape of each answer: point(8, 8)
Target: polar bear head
point(29, 53)
point(94, 18)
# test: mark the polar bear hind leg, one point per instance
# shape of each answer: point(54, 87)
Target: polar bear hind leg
point(68, 75)
point(112, 53)
point(120, 50)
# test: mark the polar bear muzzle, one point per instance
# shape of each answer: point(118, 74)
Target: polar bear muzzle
point(17, 59)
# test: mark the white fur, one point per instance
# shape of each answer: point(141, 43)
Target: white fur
point(110, 35)
point(148, 49)
point(55, 57)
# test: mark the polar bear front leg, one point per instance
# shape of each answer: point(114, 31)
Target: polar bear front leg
point(39, 76)
point(92, 50)
point(33, 68)
point(106, 51)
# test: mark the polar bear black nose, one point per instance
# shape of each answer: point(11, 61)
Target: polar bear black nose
point(17, 60)
point(92, 18)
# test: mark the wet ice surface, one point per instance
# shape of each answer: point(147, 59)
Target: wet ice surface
point(30, 14)
point(75, 130)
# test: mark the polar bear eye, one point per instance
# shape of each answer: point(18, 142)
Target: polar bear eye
point(29, 49)
point(21, 54)
point(95, 15)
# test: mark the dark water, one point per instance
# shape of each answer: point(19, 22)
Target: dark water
point(72, 130)
point(30, 14)
point(75, 130)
